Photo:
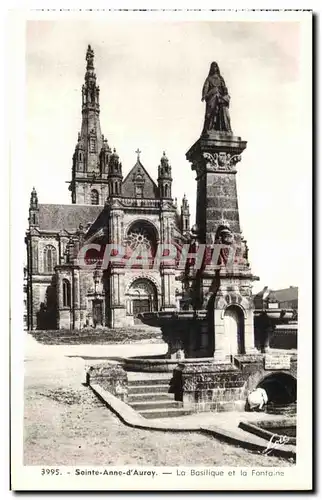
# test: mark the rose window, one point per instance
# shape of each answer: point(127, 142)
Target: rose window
point(139, 238)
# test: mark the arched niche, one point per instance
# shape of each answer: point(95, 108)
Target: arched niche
point(234, 330)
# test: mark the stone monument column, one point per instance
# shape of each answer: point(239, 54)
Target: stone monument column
point(224, 284)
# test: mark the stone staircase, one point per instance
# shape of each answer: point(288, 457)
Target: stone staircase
point(148, 395)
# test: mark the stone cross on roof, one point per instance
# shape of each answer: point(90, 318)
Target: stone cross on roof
point(138, 152)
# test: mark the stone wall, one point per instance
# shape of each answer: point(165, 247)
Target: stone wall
point(224, 387)
point(112, 378)
point(284, 339)
point(210, 388)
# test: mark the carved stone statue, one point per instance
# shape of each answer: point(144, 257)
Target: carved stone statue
point(215, 93)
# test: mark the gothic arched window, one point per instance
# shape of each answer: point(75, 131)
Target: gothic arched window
point(66, 294)
point(50, 259)
point(94, 197)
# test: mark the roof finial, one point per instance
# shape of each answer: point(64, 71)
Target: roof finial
point(138, 152)
point(33, 199)
point(90, 58)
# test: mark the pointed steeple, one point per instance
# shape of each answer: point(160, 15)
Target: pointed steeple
point(90, 91)
point(89, 171)
point(91, 135)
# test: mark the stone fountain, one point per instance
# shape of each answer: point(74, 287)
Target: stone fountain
point(212, 345)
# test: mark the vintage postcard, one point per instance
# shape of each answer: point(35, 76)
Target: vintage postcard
point(161, 178)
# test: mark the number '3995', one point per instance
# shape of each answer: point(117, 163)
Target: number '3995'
point(50, 472)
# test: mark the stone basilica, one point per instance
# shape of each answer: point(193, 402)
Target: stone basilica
point(106, 207)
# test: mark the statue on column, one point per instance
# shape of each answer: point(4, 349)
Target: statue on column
point(215, 93)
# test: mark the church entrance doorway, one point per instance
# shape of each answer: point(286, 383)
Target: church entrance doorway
point(140, 306)
point(141, 297)
point(97, 313)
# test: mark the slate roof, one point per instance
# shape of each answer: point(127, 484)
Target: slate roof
point(54, 217)
point(286, 294)
point(281, 296)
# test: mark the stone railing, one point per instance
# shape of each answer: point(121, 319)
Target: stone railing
point(140, 203)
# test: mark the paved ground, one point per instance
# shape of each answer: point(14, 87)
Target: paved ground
point(65, 424)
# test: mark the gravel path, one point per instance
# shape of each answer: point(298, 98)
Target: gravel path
point(65, 424)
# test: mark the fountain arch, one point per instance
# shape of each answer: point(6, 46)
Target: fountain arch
point(281, 388)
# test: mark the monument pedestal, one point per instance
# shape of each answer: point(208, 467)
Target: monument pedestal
point(224, 286)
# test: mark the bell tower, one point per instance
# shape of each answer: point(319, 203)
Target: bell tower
point(89, 183)
point(164, 178)
point(33, 209)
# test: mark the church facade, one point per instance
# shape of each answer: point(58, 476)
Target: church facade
point(105, 208)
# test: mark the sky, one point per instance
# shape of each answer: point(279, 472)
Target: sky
point(151, 76)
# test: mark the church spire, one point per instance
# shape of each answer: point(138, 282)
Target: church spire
point(90, 91)
point(91, 135)
point(89, 172)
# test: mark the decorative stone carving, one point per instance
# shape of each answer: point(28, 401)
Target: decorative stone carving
point(143, 276)
point(198, 167)
point(221, 161)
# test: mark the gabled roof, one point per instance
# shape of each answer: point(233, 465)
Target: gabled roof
point(150, 189)
point(59, 217)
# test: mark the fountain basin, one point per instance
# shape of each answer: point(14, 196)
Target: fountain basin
point(156, 365)
point(162, 318)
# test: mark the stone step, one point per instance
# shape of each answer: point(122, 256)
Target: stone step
point(155, 405)
point(140, 389)
point(278, 409)
point(151, 396)
point(165, 413)
point(147, 382)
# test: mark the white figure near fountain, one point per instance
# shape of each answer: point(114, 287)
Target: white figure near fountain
point(257, 399)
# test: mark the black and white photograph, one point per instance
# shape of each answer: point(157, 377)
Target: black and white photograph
point(161, 179)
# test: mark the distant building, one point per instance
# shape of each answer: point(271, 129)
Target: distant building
point(286, 298)
point(285, 334)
